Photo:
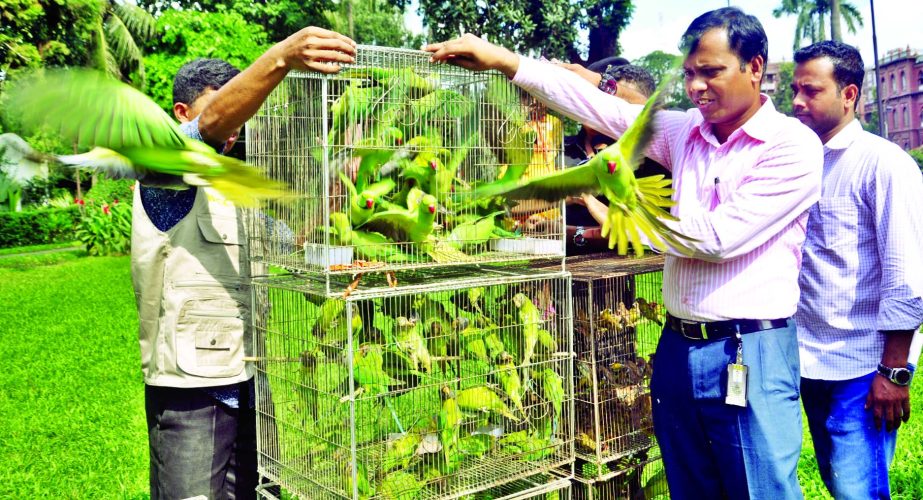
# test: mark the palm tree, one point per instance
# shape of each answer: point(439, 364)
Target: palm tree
point(812, 15)
point(116, 40)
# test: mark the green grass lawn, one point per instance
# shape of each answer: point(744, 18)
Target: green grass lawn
point(71, 394)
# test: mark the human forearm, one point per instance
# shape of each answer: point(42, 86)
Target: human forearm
point(897, 347)
point(311, 49)
point(598, 210)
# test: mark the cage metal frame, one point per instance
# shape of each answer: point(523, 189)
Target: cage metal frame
point(504, 472)
point(273, 143)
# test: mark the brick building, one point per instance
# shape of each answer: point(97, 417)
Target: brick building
point(901, 87)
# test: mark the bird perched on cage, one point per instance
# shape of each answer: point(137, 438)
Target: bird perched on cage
point(448, 422)
point(636, 206)
point(483, 399)
point(470, 230)
point(332, 326)
point(362, 203)
point(415, 223)
point(130, 136)
point(369, 245)
point(369, 371)
point(651, 310)
point(409, 339)
point(400, 450)
point(508, 375)
point(553, 392)
point(530, 319)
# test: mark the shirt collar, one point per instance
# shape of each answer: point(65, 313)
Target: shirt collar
point(761, 126)
point(845, 137)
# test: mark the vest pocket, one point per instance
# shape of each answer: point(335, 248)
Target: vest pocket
point(209, 337)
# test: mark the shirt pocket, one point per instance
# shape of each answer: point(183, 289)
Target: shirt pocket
point(219, 229)
point(834, 222)
point(210, 336)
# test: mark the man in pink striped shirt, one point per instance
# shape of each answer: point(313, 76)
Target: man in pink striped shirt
point(745, 176)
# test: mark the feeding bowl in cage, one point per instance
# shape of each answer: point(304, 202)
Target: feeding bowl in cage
point(327, 256)
point(528, 246)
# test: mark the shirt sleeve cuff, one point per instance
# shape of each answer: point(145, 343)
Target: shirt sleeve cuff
point(900, 314)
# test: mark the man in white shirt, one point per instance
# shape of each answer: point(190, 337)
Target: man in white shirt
point(860, 283)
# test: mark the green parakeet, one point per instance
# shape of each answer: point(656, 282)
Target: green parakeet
point(363, 485)
point(413, 224)
point(473, 231)
point(400, 485)
point(636, 206)
point(409, 339)
point(375, 153)
point(130, 135)
point(483, 399)
point(510, 381)
point(368, 245)
point(552, 389)
point(400, 451)
point(362, 203)
point(331, 325)
point(530, 319)
point(448, 422)
point(369, 371)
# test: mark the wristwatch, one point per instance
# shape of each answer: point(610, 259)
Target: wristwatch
point(898, 376)
point(608, 83)
point(579, 240)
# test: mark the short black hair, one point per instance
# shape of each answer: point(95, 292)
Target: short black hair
point(601, 65)
point(746, 36)
point(848, 68)
point(637, 75)
point(198, 75)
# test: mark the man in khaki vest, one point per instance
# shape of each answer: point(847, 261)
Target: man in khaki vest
point(190, 273)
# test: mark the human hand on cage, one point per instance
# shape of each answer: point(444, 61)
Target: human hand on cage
point(317, 49)
point(474, 53)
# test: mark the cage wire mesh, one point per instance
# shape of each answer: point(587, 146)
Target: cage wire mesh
point(382, 158)
point(437, 389)
point(641, 481)
point(618, 318)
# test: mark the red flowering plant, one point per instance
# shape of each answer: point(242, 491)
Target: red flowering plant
point(105, 229)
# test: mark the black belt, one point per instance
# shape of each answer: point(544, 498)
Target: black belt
point(711, 330)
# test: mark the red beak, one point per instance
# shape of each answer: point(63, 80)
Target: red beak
point(432, 209)
point(432, 164)
point(369, 203)
point(612, 166)
point(398, 141)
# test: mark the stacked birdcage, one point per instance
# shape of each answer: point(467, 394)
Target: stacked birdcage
point(618, 319)
point(437, 389)
point(397, 359)
point(642, 480)
point(382, 158)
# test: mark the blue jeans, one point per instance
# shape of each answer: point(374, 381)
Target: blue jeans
point(853, 456)
point(714, 450)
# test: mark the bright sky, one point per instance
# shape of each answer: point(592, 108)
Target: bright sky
point(658, 24)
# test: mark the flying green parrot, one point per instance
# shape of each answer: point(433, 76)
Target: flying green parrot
point(409, 339)
point(130, 136)
point(636, 206)
point(483, 399)
point(371, 246)
point(530, 319)
point(362, 203)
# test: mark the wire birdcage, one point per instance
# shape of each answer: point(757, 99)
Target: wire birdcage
point(642, 479)
point(618, 319)
point(382, 159)
point(438, 389)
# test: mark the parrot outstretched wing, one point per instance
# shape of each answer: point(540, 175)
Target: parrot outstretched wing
point(131, 136)
point(552, 187)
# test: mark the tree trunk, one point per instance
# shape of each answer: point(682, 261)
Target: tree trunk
point(835, 34)
point(350, 20)
point(604, 42)
point(821, 28)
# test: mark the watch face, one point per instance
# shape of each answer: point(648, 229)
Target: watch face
point(901, 376)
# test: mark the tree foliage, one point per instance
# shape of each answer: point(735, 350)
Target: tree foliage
point(372, 22)
point(659, 64)
point(35, 33)
point(549, 28)
point(183, 35)
point(782, 99)
point(277, 18)
point(812, 15)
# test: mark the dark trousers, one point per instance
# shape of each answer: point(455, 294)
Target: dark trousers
point(200, 447)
